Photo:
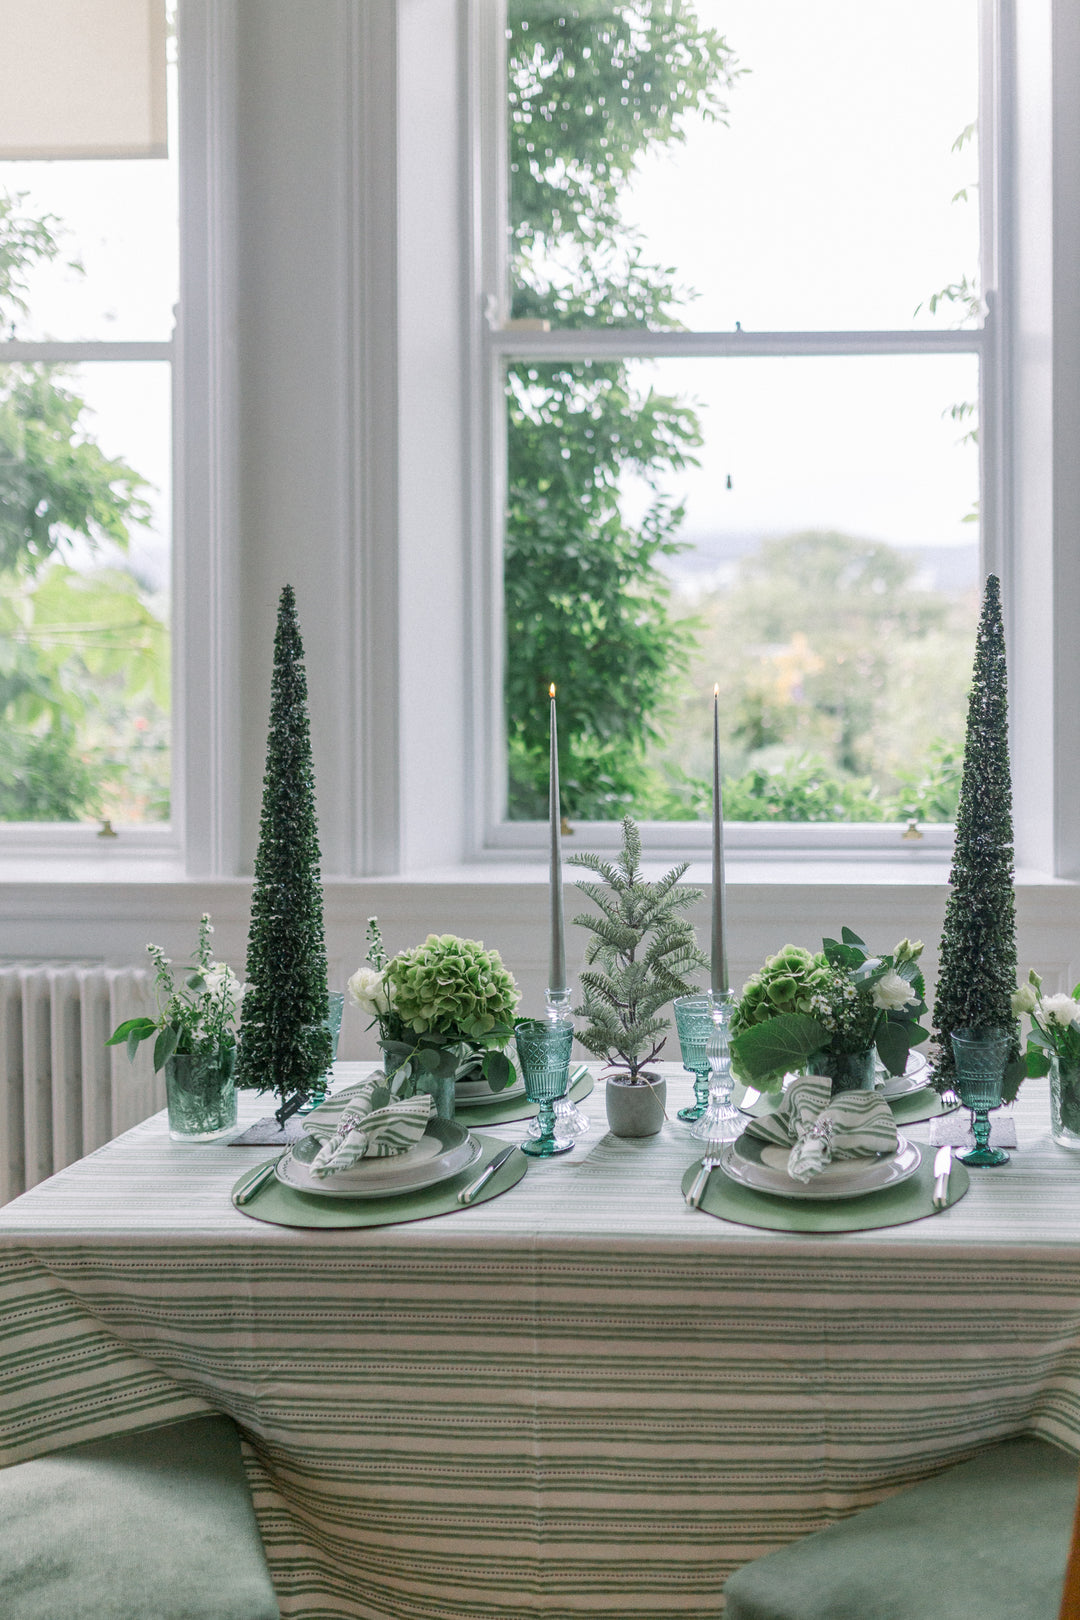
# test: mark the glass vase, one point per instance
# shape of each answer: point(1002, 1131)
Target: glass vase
point(201, 1093)
point(335, 1006)
point(848, 1071)
point(1065, 1103)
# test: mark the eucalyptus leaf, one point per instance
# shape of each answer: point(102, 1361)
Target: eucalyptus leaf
point(1015, 1074)
point(165, 1046)
point(429, 1060)
point(778, 1045)
point(124, 1031)
point(893, 1045)
point(849, 937)
point(497, 1070)
point(1037, 1062)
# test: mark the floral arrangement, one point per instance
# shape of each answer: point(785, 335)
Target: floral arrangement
point(840, 1000)
point(1055, 1032)
point(197, 1018)
point(443, 1008)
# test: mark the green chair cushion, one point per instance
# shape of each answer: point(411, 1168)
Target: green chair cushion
point(151, 1526)
point(986, 1540)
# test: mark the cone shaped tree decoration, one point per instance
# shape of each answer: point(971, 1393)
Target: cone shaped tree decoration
point(285, 1045)
point(977, 975)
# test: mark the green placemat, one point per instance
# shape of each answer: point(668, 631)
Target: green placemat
point(284, 1206)
point(920, 1105)
point(911, 1200)
point(514, 1108)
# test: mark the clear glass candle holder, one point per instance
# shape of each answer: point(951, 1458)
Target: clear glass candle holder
point(721, 1121)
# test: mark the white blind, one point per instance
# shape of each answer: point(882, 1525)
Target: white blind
point(82, 78)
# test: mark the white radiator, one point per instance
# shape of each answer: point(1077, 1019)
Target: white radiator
point(63, 1092)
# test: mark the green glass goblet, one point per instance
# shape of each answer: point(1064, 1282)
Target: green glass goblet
point(544, 1053)
point(980, 1069)
point(693, 1020)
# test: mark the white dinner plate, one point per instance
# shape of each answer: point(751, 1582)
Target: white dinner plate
point(445, 1149)
point(757, 1164)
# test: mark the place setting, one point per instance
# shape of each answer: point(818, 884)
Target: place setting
point(375, 1160)
point(823, 1163)
point(370, 1158)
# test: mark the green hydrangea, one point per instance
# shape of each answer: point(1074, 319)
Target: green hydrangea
point(451, 986)
point(787, 983)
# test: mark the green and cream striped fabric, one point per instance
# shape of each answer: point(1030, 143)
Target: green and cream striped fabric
point(856, 1124)
point(580, 1399)
point(367, 1132)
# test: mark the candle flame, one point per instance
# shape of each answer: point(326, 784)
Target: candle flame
point(551, 689)
point(716, 690)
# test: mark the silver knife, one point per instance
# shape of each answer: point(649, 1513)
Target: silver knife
point(467, 1194)
point(942, 1167)
point(247, 1189)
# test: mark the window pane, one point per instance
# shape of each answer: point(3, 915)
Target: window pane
point(85, 498)
point(831, 590)
point(107, 267)
point(768, 162)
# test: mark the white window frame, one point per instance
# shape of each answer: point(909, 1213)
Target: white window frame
point(399, 579)
point(496, 344)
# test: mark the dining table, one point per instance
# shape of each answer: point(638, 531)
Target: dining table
point(580, 1398)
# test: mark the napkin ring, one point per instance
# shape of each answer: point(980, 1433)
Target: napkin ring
point(821, 1130)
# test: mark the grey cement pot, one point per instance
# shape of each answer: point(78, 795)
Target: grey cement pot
point(635, 1110)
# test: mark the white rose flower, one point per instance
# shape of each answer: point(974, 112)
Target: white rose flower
point(1024, 1000)
point(219, 977)
point(892, 992)
point(1061, 1010)
point(367, 990)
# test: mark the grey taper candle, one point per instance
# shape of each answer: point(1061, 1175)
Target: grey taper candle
point(719, 916)
point(557, 969)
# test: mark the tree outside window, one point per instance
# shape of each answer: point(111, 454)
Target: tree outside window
point(842, 655)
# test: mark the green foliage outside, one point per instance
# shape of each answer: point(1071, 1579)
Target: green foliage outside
point(592, 87)
point(84, 651)
point(843, 682)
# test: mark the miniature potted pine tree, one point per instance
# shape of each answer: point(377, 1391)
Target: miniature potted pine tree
point(285, 1040)
point(637, 960)
point(977, 977)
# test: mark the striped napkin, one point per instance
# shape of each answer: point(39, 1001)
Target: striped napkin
point(364, 1132)
point(853, 1125)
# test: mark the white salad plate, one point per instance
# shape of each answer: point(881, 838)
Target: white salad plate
point(473, 1093)
point(763, 1167)
point(445, 1149)
point(916, 1077)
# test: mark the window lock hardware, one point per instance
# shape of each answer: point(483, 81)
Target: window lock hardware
point(912, 832)
point(107, 830)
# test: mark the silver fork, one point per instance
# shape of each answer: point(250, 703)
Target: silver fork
point(709, 1163)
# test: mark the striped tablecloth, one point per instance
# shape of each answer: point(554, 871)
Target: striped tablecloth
point(579, 1399)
